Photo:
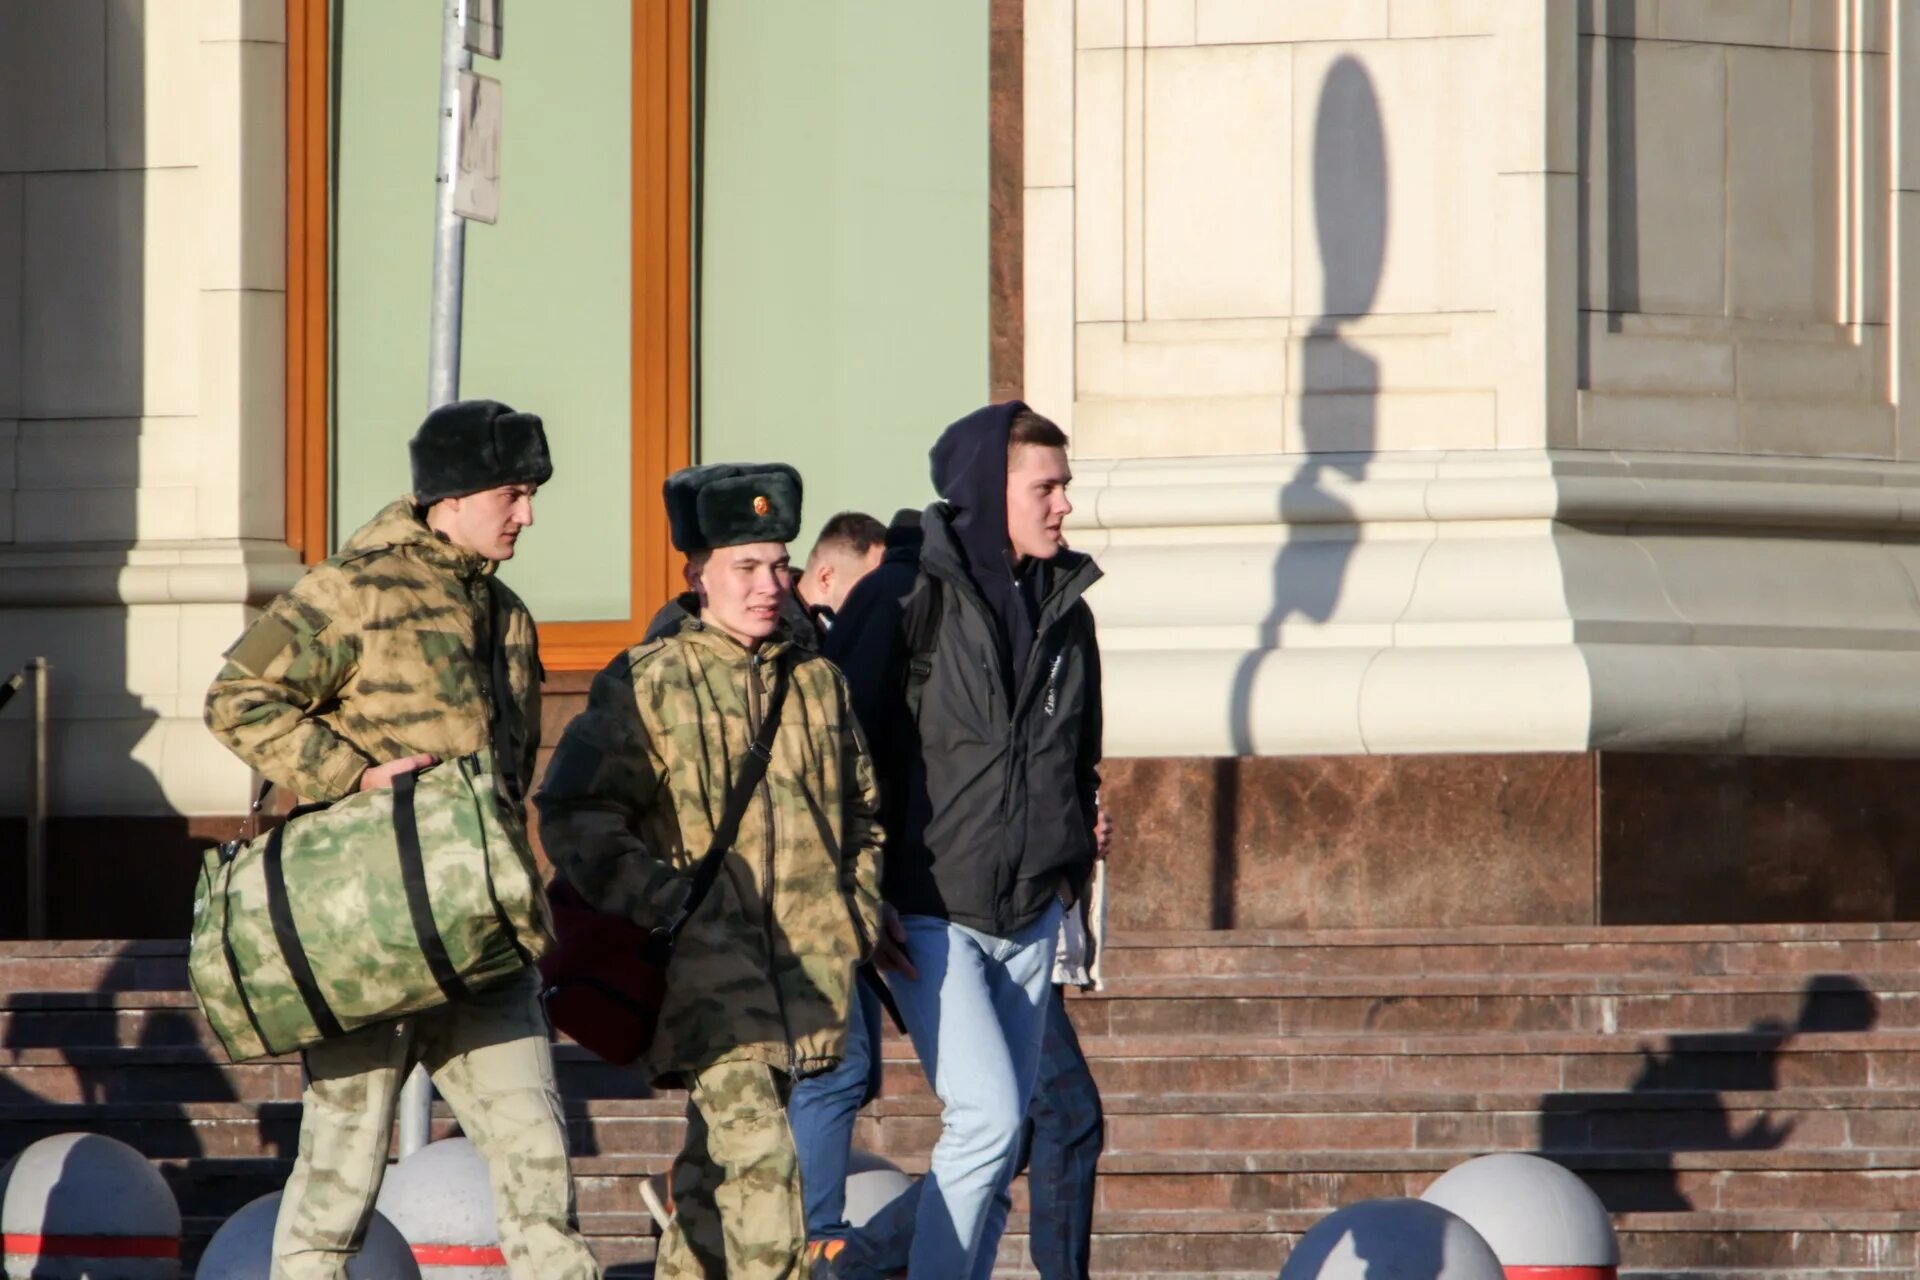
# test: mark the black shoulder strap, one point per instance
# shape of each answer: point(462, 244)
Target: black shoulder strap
point(500, 705)
point(739, 796)
point(920, 625)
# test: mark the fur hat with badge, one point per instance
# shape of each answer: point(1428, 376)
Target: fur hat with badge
point(725, 504)
point(473, 445)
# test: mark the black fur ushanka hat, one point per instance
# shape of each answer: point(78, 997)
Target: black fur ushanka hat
point(724, 504)
point(471, 445)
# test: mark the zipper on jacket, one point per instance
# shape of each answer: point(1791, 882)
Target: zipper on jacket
point(755, 714)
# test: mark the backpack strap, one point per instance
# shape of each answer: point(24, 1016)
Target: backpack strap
point(920, 628)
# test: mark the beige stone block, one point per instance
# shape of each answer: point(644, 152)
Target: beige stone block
point(1492, 698)
point(206, 632)
point(1274, 22)
point(244, 209)
point(1428, 19)
point(1656, 207)
point(1537, 354)
point(1099, 166)
point(1171, 22)
point(1782, 198)
point(1467, 242)
point(1612, 591)
point(103, 515)
point(1746, 22)
point(1731, 589)
point(1872, 147)
point(53, 93)
point(1539, 73)
point(243, 20)
point(82, 311)
point(1100, 24)
point(12, 288)
point(1219, 183)
point(1047, 267)
point(1627, 19)
point(154, 84)
point(1817, 428)
point(171, 271)
point(243, 419)
point(1905, 354)
point(112, 453)
point(1905, 116)
point(1701, 424)
point(1622, 362)
point(1806, 371)
point(1111, 363)
point(1046, 87)
point(1115, 427)
point(1816, 24)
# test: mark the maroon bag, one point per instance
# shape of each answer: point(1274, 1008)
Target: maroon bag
point(605, 978)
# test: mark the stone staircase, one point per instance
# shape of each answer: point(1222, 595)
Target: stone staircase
point(1745, 1099)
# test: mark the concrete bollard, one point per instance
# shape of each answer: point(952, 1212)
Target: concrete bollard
point(1391, 1240)
point(242, 1249)
point(1541, 1220)
point(80, 1206)
point(441, 1199)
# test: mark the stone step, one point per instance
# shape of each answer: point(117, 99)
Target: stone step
point(1539, 1062)
point(1679, 951)
point(1259, 1006)
point(1777, 1124)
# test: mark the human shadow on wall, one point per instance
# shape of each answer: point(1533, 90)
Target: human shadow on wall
point(1677, 1104)
point(1338, 389)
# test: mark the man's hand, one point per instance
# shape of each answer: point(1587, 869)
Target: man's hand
point(890, 948)
point(382, 775)
point(1102, 834)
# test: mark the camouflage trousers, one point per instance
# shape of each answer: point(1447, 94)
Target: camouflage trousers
point(738, 1213)
point(490, 1059)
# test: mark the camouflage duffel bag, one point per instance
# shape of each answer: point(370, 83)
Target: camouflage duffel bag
point(381, 904)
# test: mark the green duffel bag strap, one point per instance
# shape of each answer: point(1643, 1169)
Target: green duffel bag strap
point(413, 879)
point(280, 916)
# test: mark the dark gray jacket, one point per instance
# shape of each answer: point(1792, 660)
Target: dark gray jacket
point(990, 807)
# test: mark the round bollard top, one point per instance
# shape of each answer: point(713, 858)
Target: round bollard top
point(441, 1199)
point(1532, 1211)
point(243, 1248)
point(85, 1184)
point(1392, 1240)
point(873, 1183)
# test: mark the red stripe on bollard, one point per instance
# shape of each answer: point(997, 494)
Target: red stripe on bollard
point(459, 1255)
point(1562, 1273)
point(91, 1246)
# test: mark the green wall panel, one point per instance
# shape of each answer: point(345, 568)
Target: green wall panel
point(548, 297)
point(844, 240)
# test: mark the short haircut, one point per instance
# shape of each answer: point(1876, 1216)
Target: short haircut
point(852, 532)
point(1029, 427)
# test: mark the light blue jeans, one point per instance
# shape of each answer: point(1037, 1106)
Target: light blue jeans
point(976, 1014)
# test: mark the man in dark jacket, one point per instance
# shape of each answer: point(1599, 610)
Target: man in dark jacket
point(979, 674)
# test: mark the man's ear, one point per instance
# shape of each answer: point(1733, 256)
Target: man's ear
point(826, 574)
point(691, 573)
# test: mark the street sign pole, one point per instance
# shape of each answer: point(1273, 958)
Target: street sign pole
point(443, 381)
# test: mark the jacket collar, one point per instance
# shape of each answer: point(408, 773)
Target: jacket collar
point(1070, 573)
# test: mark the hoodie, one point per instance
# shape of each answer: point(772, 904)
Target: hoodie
point(970, 475)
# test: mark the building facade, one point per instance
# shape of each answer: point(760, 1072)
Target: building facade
point(1490, 414)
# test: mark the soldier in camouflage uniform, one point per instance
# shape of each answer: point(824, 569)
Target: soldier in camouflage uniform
point(381, 660)
point(760, 985)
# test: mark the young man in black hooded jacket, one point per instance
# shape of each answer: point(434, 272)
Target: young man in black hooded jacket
point(978, 675)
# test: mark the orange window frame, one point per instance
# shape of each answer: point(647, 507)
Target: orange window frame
point(661, 364)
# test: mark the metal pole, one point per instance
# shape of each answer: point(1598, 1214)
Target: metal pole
point(449, 228)
point(37, 810)
point(443, 382)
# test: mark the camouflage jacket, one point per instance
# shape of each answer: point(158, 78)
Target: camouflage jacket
point(765, 968)
point(379, 652)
